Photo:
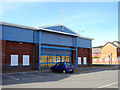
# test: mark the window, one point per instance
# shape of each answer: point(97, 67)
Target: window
point(106, 60)
point(43, 58)
point(94, 59)
point(14, 60)
point(79, 60)
point(68, 59)
point(63, 59)
point(58, 58)
point(118, 58)
point(57, 64)
point(100, 59)
point(54, 58)
point(113, 59)
point(84, 60)
point(26, 60)
point(61, 64)
point(49, 58)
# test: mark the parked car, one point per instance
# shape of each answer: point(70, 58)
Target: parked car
point(63, 67)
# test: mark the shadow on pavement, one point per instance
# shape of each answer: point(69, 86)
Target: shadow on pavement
point(46, 76)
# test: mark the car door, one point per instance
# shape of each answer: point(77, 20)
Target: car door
point(61, 66)
point(57, 67)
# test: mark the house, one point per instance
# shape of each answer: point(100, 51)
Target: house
point(110, 54)
point(96, 55)
point(28, 48)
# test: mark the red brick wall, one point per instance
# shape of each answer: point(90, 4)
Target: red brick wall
point(82, 52)
point(15, 48)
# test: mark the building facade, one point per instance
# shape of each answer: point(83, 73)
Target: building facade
point(27, 48)
point(110, 54)
point(96, 55)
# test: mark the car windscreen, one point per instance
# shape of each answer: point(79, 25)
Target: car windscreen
point(68, 64)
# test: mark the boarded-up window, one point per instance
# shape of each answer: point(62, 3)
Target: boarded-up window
point(79, 60)
point(84, 60)
point(25, 60)
point(14, 60)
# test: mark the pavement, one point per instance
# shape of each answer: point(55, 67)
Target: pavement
point(94, 78)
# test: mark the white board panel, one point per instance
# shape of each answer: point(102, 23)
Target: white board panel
point(79, 60)
point(84, 60)
point(14, 60)
point(26, 60)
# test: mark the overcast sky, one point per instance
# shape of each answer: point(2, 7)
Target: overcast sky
point(98, 20)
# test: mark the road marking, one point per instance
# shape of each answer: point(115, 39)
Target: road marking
point(113, 87)
point(32, 78)
point(108, 85)
point(29, 74)
point(11, 77)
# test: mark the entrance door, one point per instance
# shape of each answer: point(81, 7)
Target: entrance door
point(47, 61)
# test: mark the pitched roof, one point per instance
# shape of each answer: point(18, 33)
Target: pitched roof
point(116, 46)
point(65, 29)
point(54, 28)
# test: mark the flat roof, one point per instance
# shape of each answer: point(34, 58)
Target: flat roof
point(42, 29)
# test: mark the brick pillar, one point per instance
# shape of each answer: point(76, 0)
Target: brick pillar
point(3, 53)
point(36, 56)
point(90, 57)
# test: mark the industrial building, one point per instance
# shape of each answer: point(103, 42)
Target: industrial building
point(28, 48)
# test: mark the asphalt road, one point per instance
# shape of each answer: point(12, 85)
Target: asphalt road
point(84, 79)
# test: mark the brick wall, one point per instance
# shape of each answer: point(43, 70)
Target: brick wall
point(82, 52)
point(16, 48)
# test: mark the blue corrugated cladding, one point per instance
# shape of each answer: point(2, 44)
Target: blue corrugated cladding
point(59, 28)
point(55, 52)
point(84, 43)
point(17, 34)
point(57, 39)
point(26, 35)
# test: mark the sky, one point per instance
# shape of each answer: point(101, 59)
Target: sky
point(98, 20)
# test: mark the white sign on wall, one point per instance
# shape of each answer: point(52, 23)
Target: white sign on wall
point(14, 60)
point(84, 60)
point(79, 60)
point(25, 60)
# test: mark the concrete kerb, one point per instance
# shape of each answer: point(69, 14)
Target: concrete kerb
point(42, 71)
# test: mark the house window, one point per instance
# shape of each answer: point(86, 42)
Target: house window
point(14, 60)
point(106, 59)
point(113, 59)
point(94, 59)
point(26, 60)
point(119, 59)
point(100, 59)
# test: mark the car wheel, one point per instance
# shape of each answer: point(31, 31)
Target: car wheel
point(64, 71)
point(71, 71)
point(52, 70)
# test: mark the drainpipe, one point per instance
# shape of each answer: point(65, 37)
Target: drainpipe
point(39, 50)
point(33, 50)
point(76, 65)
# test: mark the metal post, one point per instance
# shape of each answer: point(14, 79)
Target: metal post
point(111, 58)
point(76, 65)
point(39, 50)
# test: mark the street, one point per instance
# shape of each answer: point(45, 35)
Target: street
point(88, 78)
